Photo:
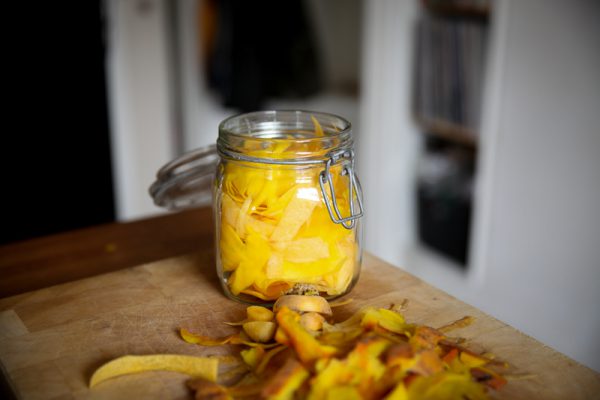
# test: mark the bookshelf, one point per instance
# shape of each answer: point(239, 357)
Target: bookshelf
point(448, 130)
point(451, 46)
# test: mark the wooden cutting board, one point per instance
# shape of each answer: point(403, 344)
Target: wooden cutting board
point(51, 340)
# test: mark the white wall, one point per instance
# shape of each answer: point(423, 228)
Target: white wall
point(388, 139)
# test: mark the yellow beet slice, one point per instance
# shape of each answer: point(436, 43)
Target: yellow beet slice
point(296, 213)
point(255, 313)
point(303, 250)
point(277, 205)
point(198, 367)
point(240, 225)
point(318, 128)
point(472, 360)
point(259, 295)
point(242, 277)
point(264, 228)
point(208, 341)
point(387, 319)
point(232, 248)
point(310, 272)
point(229, 210)
point(320, 225)
point(252, 356)
point(446, 386)
point(255, 256)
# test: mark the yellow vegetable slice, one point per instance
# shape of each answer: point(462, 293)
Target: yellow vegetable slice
point(339, 280)
point(446, 386)
point(198, 367)
point(255, 313)
point(269, 294)
point(232, 248)
point(208, 341)
point(255, 255)
point(472, 360)
point(240, 226)
point(296, 213)
point(303, 250)
point(286, 381)
point(310, 272)
point(252, 356)
point(242, 277)
point(277, 206)
point(387, 319)
point(229, 210)
point(318, 128)
point(399, 393)
point(263, 228)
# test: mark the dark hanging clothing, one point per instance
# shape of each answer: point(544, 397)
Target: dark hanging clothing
point(262, 50)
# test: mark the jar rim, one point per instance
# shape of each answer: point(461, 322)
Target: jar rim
point(272, 127)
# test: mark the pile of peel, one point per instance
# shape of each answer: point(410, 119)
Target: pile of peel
point(293, 352)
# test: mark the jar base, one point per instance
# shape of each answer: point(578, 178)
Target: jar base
point(254, 301)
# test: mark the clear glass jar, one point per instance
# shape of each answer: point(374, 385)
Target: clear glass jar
point(286, 202)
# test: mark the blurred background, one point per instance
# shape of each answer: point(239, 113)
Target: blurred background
point(477, 125)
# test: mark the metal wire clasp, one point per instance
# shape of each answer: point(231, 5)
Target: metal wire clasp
point(354, 189)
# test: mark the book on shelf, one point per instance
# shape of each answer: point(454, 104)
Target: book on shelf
point(450, 62)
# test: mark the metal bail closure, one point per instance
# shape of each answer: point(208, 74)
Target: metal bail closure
point(354, 190)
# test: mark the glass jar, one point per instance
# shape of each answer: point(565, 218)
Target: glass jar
point(287, 204)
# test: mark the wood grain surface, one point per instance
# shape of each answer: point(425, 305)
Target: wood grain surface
point(46, 261)
point(52, 339)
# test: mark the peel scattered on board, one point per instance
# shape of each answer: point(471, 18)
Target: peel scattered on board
point(375, 354)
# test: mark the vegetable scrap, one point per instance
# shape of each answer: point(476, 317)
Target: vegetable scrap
point(298, 352)
point(276, 233)
point(199, 367)
point(375, 354)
